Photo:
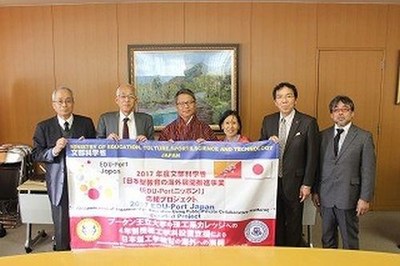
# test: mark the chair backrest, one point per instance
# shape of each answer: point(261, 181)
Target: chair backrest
point(9, 180)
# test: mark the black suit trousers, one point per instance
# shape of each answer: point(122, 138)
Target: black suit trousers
point(60, 215)
point(289, 220)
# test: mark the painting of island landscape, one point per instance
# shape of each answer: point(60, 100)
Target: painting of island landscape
point(158, 72)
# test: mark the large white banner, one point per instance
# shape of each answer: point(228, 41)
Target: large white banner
point(130, 194)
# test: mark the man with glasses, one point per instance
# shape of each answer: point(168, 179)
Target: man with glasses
point(126, 123)
point(187, 126)
point(346, 179)
point(49, 142)
point(297, 135)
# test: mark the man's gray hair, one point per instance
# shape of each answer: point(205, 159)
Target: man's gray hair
point(125, 85)
point(53, 95)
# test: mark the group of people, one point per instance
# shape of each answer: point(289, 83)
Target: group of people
point(345, 166)
point(336, 166)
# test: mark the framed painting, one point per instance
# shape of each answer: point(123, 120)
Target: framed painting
point(209, 70)
point(398, 82)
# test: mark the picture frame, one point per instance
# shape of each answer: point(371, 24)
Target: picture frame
point(398, 81)
point(209, 70)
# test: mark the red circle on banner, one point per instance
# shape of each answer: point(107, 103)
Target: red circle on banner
point(93, 193)
point(258, 169)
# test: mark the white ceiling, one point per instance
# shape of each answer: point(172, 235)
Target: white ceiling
point(58, 2)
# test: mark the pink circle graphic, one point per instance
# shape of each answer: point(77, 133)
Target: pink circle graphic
point(258, 169)
point(93, 194)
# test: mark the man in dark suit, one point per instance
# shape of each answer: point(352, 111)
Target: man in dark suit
point(50, 138)
point(126, 123)
point(346, 176)
point(297, 135)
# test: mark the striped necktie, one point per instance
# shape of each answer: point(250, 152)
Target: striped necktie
point(282, 143)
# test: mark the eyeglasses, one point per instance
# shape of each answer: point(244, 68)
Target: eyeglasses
point(129, 97)
point(343, 110)
point(286, 97)
point(187, 103)
point(61, 102)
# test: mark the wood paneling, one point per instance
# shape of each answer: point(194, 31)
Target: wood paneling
point(283, 49)
point(351, 73)
point(352, 25)
point(26, 67)
point(388, 177)
point(85, 43)
point(147, 23)
point(225, 23)
point(85, 47)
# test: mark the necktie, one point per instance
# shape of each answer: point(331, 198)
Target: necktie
point(66, 126)
point(336, 139)
point(125, 129)
point(67, 131)
point(282, 143)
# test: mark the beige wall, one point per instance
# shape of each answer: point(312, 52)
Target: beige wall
point(85, 47)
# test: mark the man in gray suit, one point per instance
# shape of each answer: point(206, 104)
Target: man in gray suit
point(346, 176)
point(125, 123)
point(49, 141)
point(297, 135)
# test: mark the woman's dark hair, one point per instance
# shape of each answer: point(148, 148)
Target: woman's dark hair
point(229, 113)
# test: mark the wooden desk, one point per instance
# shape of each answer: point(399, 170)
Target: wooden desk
point(212, 256)
point(35, 209)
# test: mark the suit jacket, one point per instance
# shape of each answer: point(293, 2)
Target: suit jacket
point(46, 135)
point(301, 151)
point(344, 179)
point(109, 123)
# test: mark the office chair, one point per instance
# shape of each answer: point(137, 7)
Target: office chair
point(9, 181)
point(3, 231)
